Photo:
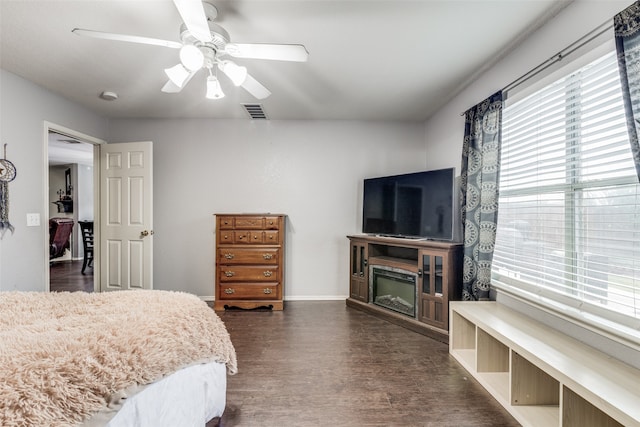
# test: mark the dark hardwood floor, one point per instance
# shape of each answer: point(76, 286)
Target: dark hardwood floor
point(67, 276)
point(325, 364)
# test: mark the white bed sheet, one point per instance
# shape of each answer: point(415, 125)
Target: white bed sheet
point(187, 398)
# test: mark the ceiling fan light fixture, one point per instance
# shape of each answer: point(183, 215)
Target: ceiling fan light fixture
point(236, 73)
point(178, 74)
point(202, 44)
point(214, 91)
point(191, 57)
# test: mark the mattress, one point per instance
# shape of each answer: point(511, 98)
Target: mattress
point(129, 358)
point(189, 397)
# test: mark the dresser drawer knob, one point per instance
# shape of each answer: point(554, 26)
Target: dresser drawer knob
point(229, 256)
point(229, 291)
point(267, 256)
point(268, 273)
point(267, 290)
point(229, 273)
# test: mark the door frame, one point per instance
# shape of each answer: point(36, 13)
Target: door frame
point(96, 142)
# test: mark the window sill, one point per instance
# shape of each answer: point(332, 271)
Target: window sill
point(577, 313)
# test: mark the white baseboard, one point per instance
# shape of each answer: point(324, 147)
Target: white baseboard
point(210, 298)
point(315, 298)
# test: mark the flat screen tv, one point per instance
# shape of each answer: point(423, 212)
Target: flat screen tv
point(415, 205)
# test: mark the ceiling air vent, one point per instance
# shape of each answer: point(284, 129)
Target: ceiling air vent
point(255, 111)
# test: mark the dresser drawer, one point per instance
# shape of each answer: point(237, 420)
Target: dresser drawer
point(268, 237)
point(248, 256)
point(266, 291)
point(249, 222)
point(242, 237)
point(226, 222)
point(233, 237)
point(225, 236)
point(271, 223)
point(271, 237)
point(248, 273)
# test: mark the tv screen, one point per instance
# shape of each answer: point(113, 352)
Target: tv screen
point(419, 204)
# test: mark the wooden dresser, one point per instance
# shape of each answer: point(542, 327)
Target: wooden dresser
point(249, 261)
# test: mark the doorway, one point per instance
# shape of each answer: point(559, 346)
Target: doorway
point(72, 199)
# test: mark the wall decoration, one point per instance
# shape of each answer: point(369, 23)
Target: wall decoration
point(7, 174)
point(67, 182)
point(65, 202)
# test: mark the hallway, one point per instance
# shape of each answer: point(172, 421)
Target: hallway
point(66, 276)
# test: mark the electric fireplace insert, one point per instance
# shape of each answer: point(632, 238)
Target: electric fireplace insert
point(394, 289)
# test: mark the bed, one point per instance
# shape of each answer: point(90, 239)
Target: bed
point(130, 358)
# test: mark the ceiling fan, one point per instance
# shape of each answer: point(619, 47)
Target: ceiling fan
point(206, 45)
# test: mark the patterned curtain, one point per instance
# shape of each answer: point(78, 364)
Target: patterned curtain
point(626, 26)
point(479, 194)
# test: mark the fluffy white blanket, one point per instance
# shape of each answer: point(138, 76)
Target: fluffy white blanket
point(63, 356)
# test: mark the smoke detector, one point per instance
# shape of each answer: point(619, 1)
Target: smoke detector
point(109, 96)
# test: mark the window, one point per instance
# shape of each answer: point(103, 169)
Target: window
point(569, 206)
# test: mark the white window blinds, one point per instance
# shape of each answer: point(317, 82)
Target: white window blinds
point(569, 207)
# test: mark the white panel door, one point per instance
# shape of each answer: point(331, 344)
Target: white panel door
point(126, 226)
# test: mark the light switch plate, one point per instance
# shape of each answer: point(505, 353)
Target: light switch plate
point(33, 220)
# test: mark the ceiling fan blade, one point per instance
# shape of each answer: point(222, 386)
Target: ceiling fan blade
point(236, 74)
point(192, 13)
point(171, 87)
point(279, 52)
point(126, 38)
point(255, 88)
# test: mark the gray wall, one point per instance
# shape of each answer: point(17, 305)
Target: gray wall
point(24, 108)
point(310, 170)
point(85, 193)
point(444, 131)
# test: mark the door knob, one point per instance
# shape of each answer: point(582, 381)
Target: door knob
point(145, 233)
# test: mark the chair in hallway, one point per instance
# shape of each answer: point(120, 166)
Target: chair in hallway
point(87, 243)
point(59, 235)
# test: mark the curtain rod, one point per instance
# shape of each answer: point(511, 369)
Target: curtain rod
point(582, 41)
point(586, 39)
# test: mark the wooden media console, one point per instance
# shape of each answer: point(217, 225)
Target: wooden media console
point(432, 268)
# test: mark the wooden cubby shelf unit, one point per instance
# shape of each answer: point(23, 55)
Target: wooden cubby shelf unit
point(540, 375)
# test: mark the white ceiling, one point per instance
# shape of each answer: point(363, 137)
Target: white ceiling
point(368, 59)
point(65, 150)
